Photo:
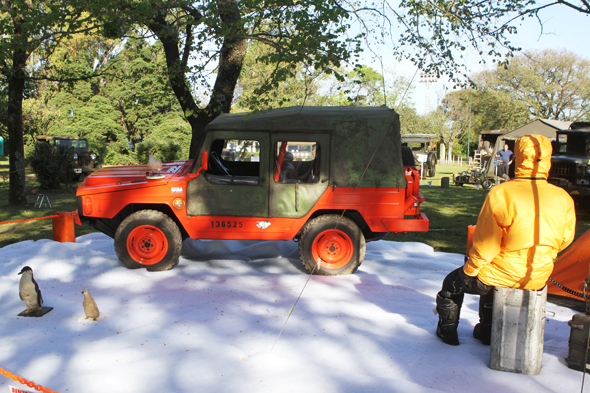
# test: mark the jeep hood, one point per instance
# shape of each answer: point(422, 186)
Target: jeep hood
point(136, 176)
point(571, 158)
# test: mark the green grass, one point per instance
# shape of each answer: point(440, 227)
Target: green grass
point(450, 211)
point(62, 200)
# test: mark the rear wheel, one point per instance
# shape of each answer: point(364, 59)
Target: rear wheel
point(149, 239)
point(337, 242)
point(487, 184)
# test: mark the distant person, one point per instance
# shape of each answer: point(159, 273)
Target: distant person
point(484, 155)
point(506, 156)
point(522, 226)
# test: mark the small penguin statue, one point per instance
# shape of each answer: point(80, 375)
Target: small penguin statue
point(29, 292)
point(90, 308)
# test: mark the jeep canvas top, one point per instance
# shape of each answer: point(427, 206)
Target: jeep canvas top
point(331, 178)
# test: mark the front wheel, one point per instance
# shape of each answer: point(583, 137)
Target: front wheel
point(336, 242)
point(487, 184)
point(149, 239)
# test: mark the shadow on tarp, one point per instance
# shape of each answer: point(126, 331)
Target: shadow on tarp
point(571, 268)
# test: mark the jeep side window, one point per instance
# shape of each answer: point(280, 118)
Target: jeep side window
point(235, 161)
point(296, 162)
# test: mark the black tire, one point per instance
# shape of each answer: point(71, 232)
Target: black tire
point(408, 156)
point(458, 183)
point(340, 238)
point(149, 239)
point(487, 184)
point(431, 164)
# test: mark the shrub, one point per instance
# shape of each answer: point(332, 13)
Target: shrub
point(53, 164)
point(165, 152)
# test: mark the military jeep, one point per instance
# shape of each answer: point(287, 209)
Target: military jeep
point(424, 147)
point(570, 162)
point(85, 161)
point(331, 178)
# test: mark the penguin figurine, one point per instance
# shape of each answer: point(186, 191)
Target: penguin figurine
point(29, 292)
point(90, 308)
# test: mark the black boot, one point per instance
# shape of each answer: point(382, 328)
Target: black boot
point(483, 330)
point(448, 318)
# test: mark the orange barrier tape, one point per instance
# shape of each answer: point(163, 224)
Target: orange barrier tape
point(29, 219)
point(25, 382)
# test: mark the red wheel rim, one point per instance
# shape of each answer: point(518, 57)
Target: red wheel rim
point(147, 245)
point(333, 247)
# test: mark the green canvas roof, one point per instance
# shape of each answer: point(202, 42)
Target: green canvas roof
point(361, 138)
point(302, 118)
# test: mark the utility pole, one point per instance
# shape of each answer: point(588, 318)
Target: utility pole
point(469, 134)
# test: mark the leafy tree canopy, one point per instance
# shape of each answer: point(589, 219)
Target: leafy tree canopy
point(552, 84)
point(439, 35)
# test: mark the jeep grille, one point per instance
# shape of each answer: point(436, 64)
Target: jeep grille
point(84, 160)
point(563, 170)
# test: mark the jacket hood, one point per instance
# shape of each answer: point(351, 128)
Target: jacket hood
point(533, 156)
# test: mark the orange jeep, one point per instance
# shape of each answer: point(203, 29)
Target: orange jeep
point(330, 178)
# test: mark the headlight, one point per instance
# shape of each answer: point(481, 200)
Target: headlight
point(75, 156)
point(93, 156)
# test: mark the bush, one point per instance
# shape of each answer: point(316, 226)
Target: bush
point(53, 164)
point(166, 152)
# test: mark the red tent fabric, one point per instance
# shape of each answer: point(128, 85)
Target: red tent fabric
point(571, 267)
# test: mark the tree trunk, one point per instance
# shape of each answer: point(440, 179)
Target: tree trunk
point(16, 85)
point(231, 60)
point(450, 151)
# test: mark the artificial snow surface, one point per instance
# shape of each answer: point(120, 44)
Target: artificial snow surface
point(209, 324)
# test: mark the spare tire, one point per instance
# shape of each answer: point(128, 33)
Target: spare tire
point(431, 161)
point(408, 156)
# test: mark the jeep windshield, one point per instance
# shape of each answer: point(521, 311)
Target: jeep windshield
point(75, 143)
point(575, 144)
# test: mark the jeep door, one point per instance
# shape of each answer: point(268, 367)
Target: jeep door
point(237, 180)
point(300, 172)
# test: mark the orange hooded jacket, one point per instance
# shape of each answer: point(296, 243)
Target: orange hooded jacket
point(523, 223)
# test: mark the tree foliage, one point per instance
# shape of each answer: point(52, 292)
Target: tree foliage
point(468, 112)
point(302, 88)
point(53, 164)
point(364, 86)
point(128, 103)
point(215, 35)
point(553, 84)
point(495, 110)
point(27, 26)
point(413, 123)
point(438, 35)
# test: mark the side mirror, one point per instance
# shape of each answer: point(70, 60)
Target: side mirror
point(204, 160)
